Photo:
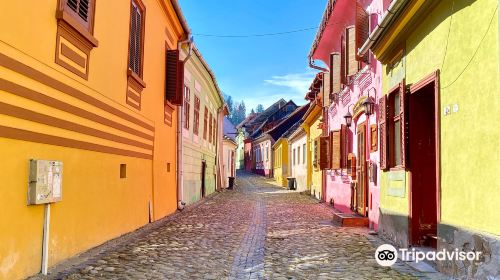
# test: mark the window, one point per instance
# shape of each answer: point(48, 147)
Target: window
point(187, 105)
point(196, 124)
point(298, 155)
point(304, 153)
point(395, 130)
point(136, 39)
point(393, 140)
point(267, 153)
point(215, 131)
point(81, 10)
point(74, 37)
point(205, 123)
point(315, 153)
point(210, 131)
point(294, 162)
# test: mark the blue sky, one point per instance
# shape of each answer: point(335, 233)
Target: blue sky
point(257, 69)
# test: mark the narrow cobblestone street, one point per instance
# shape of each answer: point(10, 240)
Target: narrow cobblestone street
point(256, 231)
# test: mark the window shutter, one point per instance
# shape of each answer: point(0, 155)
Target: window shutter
point(336, 149)
point(403, 105)
point(344, 142)
point(324, 158)
point(343, 61)
point(383, 133)
point(335, 75)
point(174, 78)
point(326, 89)
point(362, 30)
point(352, 62)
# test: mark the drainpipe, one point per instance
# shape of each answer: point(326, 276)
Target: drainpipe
point(389, 15)
point(180, 198)
point(218, 179)
point(311, 64)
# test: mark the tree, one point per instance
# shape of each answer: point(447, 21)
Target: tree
point(252, 112)
point(259, 108)
point(229, 102)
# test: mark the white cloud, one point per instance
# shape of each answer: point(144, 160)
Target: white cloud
point(297, 82)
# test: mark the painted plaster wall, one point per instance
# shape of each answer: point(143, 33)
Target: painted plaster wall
point(227, 148)
point(196, 149)
point(264, 165)
point(316, 173)
point(299, 170)
point(240, 150)
point(468, 138)
point(93, 192)
point(281, 171)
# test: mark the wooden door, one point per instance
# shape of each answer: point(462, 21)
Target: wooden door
point(203, 171)
point(423, 167)
point(361, 188)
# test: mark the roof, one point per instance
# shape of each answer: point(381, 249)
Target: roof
point(180, 15)
point(257, 132)
point(295, 118)
point(322, 26)
point(229, 129)
point(269, 111)
point(246, 120)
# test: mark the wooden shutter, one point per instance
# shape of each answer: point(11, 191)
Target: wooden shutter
point(174, 78)
point(351, 61)
point(326, 89)
point(324, 158)
point(403, 105)
point(383, 133)
point(344, 142)
point(362, 30)
point(343, 60)
point(82, 10)
point(335, 62)
point(336, 149)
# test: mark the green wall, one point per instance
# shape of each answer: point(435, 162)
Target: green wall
point(470, 137)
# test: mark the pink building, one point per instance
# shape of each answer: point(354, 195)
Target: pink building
point(350, 104)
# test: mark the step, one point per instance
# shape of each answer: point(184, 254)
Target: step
point(350, 220)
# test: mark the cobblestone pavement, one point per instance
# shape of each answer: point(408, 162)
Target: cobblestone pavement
point(256, 231)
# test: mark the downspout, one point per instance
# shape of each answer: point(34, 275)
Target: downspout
point(387, 18)
point(180, 198)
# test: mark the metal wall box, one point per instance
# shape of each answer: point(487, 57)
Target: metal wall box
point(45, 181)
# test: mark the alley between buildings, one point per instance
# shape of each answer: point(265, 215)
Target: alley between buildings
point(256, 231)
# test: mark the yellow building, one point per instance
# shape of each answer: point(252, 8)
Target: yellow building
point(85, 85)
point(313, 131)
point(281, 161)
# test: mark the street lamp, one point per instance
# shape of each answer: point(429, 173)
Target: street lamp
point(348, 117)
point(369, 103)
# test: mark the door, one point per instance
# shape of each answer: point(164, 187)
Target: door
point(422, 166)
point(203, 177)
point(361, 188)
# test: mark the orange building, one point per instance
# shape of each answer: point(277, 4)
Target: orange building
point(85, 84)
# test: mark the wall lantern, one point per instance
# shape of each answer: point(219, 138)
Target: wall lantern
point(348, 117)
point(369, 103)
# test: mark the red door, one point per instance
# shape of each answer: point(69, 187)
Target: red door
point(422, 166)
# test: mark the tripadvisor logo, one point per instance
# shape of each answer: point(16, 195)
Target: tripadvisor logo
point(387, 255)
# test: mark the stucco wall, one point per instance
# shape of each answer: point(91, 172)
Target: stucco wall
point(299, 171)
point(93, 194)
point(466, 196)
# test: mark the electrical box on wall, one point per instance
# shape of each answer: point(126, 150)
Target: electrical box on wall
point(45, 181)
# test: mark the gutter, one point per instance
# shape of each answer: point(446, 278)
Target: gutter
point(180, 16)
point(311, 64)
point(392, 12)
